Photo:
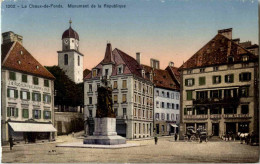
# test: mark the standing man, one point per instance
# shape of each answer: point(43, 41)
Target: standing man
point(155, 140)
point(11, 142)
point(176, 136)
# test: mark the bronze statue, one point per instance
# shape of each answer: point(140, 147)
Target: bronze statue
point(105, 103)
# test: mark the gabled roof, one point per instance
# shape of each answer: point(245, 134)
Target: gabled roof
point(217, 52)
point(118, 57)
point(162, 78)
point(16, 57)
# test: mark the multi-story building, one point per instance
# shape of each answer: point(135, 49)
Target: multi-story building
point(27, 94)
point(132, 93)
point(70, 59)
point(220, 88)
point(166, 98)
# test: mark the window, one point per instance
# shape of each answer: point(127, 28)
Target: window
point(230, 59)
point(90, 113)
point(168, 105)
point(124, 85)
point(115, 84)
point(177, 106)
point(244, 91)
point(157, 115)
point(25, 113)
point(157, 92)
point(151, 114)
point(46, 83)
point(12, 76)
point(47, 98)
point(139, 99)
point(135, 85)
point(202, 95)
point(90, 87)
point(35, 80)
point(162, 104)
point(216, 94)
point(47, 114)
point(25, 95)
point(124, 111)
point(143, 114)
point(163, 128)
point(98, 85)
point(115, 99)
point(227, 93)
point(157, 104)
point(172, 105)
point(245, 58)
point(143, 73)
point(36, 96)
point(24, 78)
point(12, 93)
point(189, 82)
point(139, 112)
point(172, 95)
point(168, 116)
point(134, 111)
point(143, 100)
point(162, 116)
point(106, 72)
point(189, 95)
point(246, 76)
point(189, 111)
point(147, 102)
point(215, 68)
point(78, 61)
point(12, 112)
point(177, 116)
point(202, 70)
point(216, 79)
point(37, 114)
point(116, 111)
point(163, 94)
point(172, 116)
point(90, 100)
point(177, 96)
point(229, 78)
point(147, 114)
point(168, 95)
point(119, 70)
point(124, 98)
point(135, 98)
point(230, 110)
point(66, 59)
point(94, 73)
point(202, 80)
point(139, 128)
point(244, 109)
point(189, 71)
point(139, 86)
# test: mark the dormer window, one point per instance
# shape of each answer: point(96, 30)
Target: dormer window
point(143, 73)
point(189, 71)
point(19, 62)
point(94, 73)
point(202, 70)
point(21, 52)
point(120, 69)
point(245, 58)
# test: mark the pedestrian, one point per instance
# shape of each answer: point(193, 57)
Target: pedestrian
point(176, 136)
point(155, 140)
point(11, 142)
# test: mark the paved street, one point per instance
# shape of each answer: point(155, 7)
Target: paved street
point(166, 151)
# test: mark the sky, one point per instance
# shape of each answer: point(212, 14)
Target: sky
point(167, 30)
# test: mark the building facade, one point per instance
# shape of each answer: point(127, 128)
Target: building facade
point(132, 94)
point(166, 98)
point(220, 88)
point(27, 100)
point(70, 59)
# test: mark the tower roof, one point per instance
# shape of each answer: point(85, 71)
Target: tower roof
point(70, 33)
point(108, 55)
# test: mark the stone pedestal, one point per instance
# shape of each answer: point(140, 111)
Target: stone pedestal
point(105, 133)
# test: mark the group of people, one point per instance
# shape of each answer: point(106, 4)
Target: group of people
point(156, 138)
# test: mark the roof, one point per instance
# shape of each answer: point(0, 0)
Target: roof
point(217, 52)
point(25, 62)
point(162, 78)
point(174, 71)
point(253, 46)
point(118, 57)
point(70, 33)
point(86, 72)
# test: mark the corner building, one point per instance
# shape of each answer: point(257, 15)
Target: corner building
point(27, 94)
point(220, 88)
point(132, 94)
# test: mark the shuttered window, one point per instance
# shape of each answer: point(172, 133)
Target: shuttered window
point(189, 95)
point(37, 114)
point(25, 113)
point(216, 79)
point(36, 96)
point(46, 98)
point(229, 78)
point(115, 99)
point(115, 84)
point(12, 93)
point(46, 83)
point(35, 80)
point(24, 95)
point(12, 112)
point(189, 82)
point(24, 78)
point(245, 76)
point(124, 85)
point(47, 114)
point(124, 98)
point(12, 76)
point(202, 80)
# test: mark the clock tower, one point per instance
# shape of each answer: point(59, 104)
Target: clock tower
point(70, 59)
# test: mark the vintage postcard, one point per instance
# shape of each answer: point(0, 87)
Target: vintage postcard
point(120, 81)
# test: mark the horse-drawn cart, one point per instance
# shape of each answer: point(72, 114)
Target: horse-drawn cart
point(192, 135)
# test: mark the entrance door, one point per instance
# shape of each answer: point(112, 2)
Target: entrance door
point(231, 128)
point(215, 129)
point(157, 129)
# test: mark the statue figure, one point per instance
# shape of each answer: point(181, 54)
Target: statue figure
point(105, 103)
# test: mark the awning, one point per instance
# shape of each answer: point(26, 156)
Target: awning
point(174, 125)
point(31, 127)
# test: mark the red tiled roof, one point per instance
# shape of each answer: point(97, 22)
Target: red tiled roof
point(162, 78)
point(216, 52)
point(108, 55)
point(131, 66)
point(174, 71)
point(11, 57)
point(86, 72)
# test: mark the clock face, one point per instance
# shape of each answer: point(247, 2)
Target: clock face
point(66, 41)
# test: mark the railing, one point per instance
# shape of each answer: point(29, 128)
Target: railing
point(230, 100)
point(215, 116)
point(201, 117)
point(237, 116)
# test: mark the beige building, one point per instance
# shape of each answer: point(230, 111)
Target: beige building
point(27, 102)
point(220, 88)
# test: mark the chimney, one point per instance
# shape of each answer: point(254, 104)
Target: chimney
point(155, 63)
point(237, 41)
point(171, 64)
point(138, 57)
point(226, 32)
point(10, 36)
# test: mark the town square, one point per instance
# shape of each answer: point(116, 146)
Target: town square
point(156, 81)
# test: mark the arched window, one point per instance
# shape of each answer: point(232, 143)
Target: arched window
point(66, 59)
point(78, 61)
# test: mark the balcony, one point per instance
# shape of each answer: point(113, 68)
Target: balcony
point(224, 101)
point(195, 117)
point(237, 116)
point(215, 116)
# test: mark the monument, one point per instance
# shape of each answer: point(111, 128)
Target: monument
point(105, 121)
